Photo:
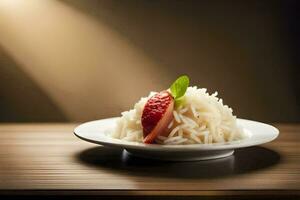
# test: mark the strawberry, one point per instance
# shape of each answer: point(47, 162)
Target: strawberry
point(157, 114)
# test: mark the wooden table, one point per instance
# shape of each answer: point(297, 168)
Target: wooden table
point(47, 159)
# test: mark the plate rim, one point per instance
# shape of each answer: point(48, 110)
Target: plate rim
point(191, 147)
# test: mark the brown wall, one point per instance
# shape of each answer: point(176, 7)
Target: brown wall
point(83, 60)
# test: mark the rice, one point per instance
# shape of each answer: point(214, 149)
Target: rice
point(202, 119)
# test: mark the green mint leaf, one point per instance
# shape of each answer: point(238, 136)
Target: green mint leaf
point(179, 102)
point(178, 88)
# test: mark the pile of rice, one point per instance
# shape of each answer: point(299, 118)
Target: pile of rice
point(202, 119)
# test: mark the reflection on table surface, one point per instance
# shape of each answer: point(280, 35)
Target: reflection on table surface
point(242, 161)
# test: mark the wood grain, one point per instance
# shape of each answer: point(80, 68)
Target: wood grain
point(48, 158)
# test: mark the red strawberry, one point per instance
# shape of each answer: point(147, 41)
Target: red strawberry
point(157, 114)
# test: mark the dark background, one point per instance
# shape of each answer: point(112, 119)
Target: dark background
point(83, 60)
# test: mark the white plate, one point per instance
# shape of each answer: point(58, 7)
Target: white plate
point(98, 132)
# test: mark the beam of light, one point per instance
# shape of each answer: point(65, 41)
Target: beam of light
point(83, 64)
